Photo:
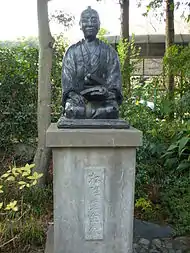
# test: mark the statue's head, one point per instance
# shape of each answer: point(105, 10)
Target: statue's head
point(90, 23)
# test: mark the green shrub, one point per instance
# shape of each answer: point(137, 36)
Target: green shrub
point(177, 156)
point(175, 199)
point(18, 90)
point(18, 94)
point(22, 204)
point(129, 56)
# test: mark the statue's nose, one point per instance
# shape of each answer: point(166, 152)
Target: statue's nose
point(89, 23)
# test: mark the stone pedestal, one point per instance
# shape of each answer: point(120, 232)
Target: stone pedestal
point(94, 179)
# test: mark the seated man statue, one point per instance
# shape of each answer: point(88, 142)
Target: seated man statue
point(91, 76)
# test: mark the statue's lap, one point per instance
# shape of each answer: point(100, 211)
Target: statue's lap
point(93, 110)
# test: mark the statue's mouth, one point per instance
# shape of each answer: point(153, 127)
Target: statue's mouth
point(90, 29)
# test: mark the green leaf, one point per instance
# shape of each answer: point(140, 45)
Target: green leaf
point(172, 147)
point(182, 143)
point(182, 151)
point(1, 187)
point(22, 183)
point(184, 165)
point(12, 206)
point(5, 175)
point(25, 173)
point(19, 170)
point(11, 178)
point(34, 182)
point(148, 8)
point(168, 154)
point(171, 162)
point(35, 176)
point(14, 171)
point(22, 186)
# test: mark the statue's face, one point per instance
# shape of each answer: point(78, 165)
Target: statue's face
point(90, 24)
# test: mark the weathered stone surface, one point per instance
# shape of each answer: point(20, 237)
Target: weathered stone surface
point(143, 250)
point(179, 251)
point(167, 245)
point(144, 243)
point(148, 230)
point(164, 250)
point(157, 243)
point(49, 248)
point(92, 137)
point(69, 197)
point(153, 251)
point(94, 203)
point(94, 178)
point(135, 245)
point(24, 152)
point(181, 243)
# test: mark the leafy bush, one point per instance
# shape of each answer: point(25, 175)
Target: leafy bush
point(59, 48)
point(102, 35)
point(18, 94)
point(177, 60)
point(21, 204)
point(175, 200)
point(177, 156)
point(18, 90)
point(20, 178)
point(163, 160)
point(129, 56)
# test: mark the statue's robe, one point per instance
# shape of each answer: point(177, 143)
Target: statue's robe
point(103, 63)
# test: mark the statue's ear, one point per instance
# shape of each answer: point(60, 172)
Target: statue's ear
point(98, 23)
point(98, 28)
point(80, 24)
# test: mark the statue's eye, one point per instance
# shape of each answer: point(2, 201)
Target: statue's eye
point(85, 20)
point(94, 19)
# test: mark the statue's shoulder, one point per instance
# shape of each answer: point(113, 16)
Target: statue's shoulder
point(75, 46)
point(107, 47)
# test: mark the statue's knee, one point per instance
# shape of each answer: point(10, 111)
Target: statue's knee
point(74, 111)
point(112, 111)
point(109, 111)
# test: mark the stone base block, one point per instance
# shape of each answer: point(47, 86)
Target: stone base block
point(94, 182)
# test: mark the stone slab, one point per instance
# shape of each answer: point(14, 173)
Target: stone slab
point(92, 137)
point(50, 241)
point(149, 231)
point(93, 199)
point(92, 123)
point(142, 230)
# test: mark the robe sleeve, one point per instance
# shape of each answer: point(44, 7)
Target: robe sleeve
point(68, 73)
point(114, 82)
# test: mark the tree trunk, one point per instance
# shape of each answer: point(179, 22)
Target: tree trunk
point(43, 154)
point(124, 19)
point(169, 42)
point(124, 5)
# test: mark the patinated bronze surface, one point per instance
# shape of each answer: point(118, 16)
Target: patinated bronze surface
point(93, 123)
point(91, 76)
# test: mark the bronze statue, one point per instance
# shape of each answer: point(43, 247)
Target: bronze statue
point(91, 76)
